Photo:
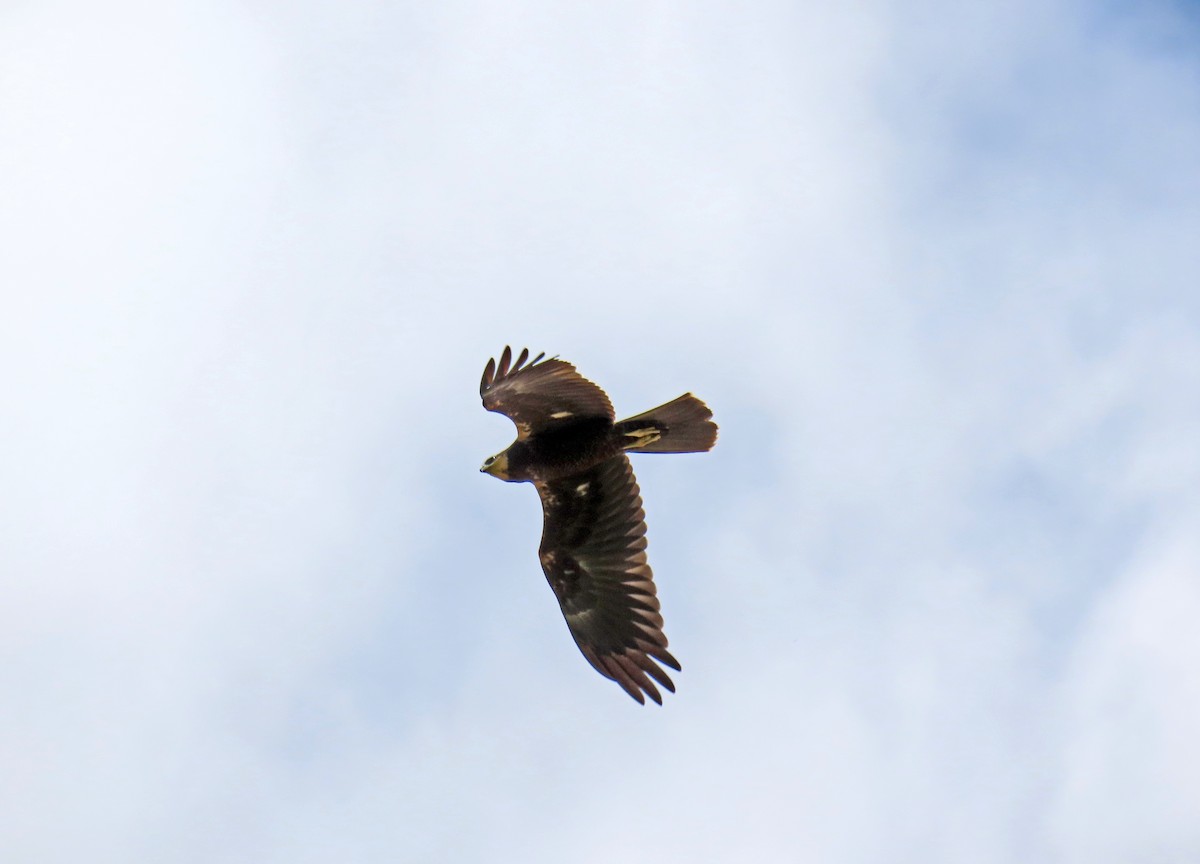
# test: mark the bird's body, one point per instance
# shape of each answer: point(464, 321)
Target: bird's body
point(564, 450)
point(572, 449)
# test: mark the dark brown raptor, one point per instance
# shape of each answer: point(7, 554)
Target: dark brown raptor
point(593, 551)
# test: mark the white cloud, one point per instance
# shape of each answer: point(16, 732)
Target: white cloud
point(933, 272)
point(1129, 756)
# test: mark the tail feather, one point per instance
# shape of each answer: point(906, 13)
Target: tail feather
point(683, 425)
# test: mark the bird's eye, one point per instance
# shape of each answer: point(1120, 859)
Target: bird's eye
point(489, 460)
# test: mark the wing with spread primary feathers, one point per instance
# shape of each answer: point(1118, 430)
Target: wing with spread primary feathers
point(540, 394)
point(593, 554)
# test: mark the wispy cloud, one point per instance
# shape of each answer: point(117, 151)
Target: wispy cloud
point(934, 268)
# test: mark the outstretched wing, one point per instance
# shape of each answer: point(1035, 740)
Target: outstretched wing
point(594, 554)
point(541, 394)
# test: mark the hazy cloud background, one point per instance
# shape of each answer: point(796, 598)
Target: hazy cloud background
point(936, 269)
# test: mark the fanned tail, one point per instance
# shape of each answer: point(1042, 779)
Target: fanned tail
point(683, 425)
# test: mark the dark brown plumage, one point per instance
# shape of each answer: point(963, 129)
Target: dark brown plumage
point(593, 548)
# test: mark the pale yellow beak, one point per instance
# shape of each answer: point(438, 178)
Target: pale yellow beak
point(497, 466)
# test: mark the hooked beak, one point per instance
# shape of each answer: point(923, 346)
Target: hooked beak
point(497, 466)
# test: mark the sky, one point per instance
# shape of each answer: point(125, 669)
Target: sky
point(933, 265)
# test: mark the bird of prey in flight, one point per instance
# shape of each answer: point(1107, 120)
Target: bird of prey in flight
point(593, 550)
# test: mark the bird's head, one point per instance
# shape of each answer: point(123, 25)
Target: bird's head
point(497, 466)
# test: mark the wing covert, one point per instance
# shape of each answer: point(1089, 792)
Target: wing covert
point(540, 394)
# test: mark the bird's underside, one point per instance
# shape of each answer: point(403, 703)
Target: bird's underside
point(593, 548)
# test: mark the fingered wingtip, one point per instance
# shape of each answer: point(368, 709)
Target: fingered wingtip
point(489, 375)
point(499, 369)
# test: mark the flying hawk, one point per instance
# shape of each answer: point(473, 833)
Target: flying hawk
point(593, 551)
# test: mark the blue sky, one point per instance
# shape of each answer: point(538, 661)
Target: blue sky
point(934, 267)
